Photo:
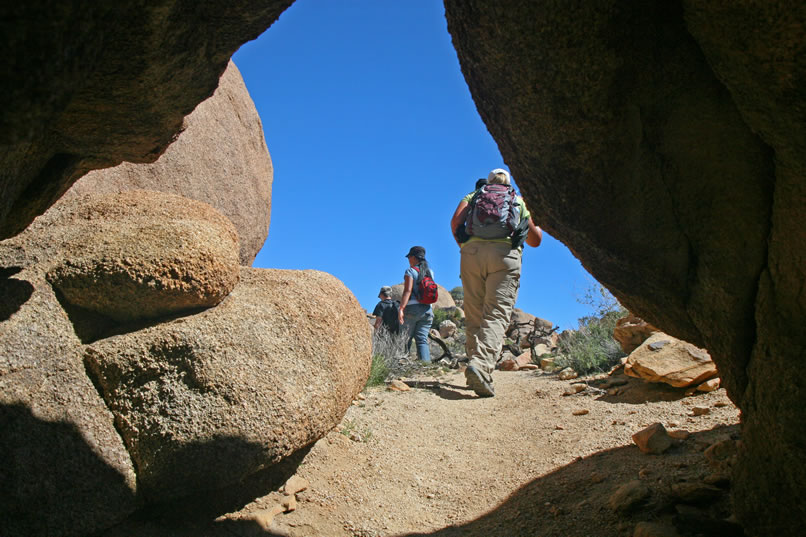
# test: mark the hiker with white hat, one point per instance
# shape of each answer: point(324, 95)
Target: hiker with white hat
point(490, 225)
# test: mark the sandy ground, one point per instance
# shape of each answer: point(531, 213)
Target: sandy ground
point(437, 460)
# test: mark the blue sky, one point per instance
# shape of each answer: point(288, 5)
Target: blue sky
point(374, 139)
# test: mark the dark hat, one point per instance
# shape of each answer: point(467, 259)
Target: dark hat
point(480, 183)
point(386, 291)
point(416, 251)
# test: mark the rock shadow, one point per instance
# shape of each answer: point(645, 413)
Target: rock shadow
point(51, 479)
point(90, 326)
point(638, 391)
point(198, 515)
point(13, 293)
point(451, 392)
point(573, 500)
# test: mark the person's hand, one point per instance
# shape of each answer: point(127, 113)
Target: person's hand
point(400, 314)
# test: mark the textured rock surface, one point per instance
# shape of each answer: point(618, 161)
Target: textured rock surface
point(631, 331)
point(138, 254)
point(662, 358)
point(665, 144)
point(220, 158)
point(207, 399)
point(65, 470)
point(232, 389)
point(89, 85)
point(239, 386)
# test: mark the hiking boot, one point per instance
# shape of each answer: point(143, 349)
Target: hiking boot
point(477, 383)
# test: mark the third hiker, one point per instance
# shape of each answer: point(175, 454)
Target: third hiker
point(490, 225)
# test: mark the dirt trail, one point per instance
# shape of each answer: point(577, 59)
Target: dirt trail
point(439, 461)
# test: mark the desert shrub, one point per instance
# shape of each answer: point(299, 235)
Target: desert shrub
point(458, 293)
point(591, 347)
point(389, 357)
point(446, 314)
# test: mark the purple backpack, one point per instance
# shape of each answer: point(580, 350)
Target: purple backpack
point(494, 212)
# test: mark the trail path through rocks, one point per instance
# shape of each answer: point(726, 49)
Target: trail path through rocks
point(519, 463)
point(438, 460)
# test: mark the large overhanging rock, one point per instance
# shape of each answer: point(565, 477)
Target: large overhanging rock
point(665, 144)
point(87, 85)
point(220, 158)
point(206, 400)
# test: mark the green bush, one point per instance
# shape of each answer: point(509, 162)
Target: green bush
point(458, 293)
point(446, 314)
point(591, 348)
point(379, 371)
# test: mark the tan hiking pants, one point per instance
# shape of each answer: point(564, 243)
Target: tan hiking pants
point(491, 276)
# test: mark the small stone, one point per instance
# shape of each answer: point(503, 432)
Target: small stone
point(613, 391)
point(616, 367)
point(653, 439)
point(580, 412)
point(529, 367)
point(628, 496)
point(722, 455)
point(295, 484)
point(679, 434)
point(264, 518)
point(695, 493)
point(567, 374)
point(710, 385)
point(597, 477)
point(361, 397)
point(289, 503)
point(398, 385)
point(338, 439)
point(574, 389)
point(700, 411)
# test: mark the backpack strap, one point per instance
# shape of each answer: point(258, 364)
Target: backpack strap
point(513, 206)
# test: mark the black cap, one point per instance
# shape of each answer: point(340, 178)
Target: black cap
point(417, 251)
point(480, 183)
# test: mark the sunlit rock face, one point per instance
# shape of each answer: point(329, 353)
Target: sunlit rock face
point(139, 362)
point(220, 158)
point(89, 85)
point(665, 144)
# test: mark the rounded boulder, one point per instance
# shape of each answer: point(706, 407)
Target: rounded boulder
point(141, 254)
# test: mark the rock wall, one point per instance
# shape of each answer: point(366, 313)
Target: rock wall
point(186, 374)
point(89, 85)
point(664, 144)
